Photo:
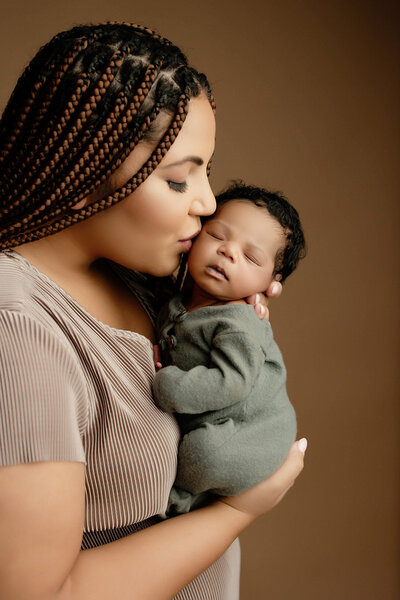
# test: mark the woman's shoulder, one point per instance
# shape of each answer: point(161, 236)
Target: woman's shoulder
point(15, 287)
point(28, 299)
point(24, 313)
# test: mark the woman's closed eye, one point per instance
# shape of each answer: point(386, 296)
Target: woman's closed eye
point(177, 186)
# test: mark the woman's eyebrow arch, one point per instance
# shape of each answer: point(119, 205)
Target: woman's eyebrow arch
point(194, 159)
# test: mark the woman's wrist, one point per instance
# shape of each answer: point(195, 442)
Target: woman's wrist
point(236, 516)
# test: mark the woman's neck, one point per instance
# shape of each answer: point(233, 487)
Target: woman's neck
point(61, 256)
point(91, 282)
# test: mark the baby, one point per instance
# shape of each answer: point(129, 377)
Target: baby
point(226, 382)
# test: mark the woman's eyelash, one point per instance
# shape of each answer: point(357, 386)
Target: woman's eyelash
point(177, 187)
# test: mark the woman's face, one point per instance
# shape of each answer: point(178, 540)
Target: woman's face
point(149, 230)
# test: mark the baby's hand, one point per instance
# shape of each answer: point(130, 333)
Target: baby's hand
point(157, 357)
point(260, 301)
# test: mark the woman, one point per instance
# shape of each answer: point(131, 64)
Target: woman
point(105, 117)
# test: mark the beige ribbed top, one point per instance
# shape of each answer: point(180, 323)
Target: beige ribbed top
point(75, 389)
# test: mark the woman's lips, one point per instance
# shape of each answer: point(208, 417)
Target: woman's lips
point(187, 243)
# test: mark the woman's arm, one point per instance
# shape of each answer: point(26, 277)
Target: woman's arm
point(41, 524)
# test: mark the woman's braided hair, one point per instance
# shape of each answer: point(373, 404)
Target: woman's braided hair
point(80, 107)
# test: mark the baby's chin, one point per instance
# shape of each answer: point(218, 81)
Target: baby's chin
point(232, 298)
point(241, 294)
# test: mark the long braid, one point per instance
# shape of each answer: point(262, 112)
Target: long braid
point(75, 216)
point(90, 105)
point(88, 97)
point(24, 137)
point(59, 164)
point(49, 147)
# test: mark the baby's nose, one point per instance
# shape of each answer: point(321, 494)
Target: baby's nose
point(229, 250)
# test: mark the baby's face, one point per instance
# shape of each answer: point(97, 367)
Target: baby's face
point(234, 255)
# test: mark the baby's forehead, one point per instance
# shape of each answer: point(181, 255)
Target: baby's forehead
point(226, 207)
point(230, 210)
point(248, 221)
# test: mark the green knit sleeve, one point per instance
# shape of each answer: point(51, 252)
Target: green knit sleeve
point(235, 360)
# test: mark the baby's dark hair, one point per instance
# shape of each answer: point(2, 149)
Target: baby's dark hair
point(287, 216)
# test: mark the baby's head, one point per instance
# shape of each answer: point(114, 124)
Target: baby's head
point(254, 237)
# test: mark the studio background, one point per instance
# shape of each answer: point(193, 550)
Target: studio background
point(307, 103)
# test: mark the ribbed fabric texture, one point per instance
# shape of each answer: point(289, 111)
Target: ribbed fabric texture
point(75, 389)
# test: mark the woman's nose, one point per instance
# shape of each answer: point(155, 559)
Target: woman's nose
point(204, 203)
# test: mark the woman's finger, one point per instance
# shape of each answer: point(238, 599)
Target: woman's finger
point(274, 289)
point(262, 497)
point(260, 303)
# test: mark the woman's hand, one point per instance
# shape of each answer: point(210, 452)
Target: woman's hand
point(157, 357)
point(262, 497)
point(260, 301)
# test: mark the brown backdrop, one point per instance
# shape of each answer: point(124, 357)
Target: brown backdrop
point(307, 102)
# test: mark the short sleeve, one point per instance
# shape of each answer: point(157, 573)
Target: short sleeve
point(43, 400)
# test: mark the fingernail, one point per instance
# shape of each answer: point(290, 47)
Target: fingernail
point(260, 310)
point(274, 288)
point(302, 445)
point(257, 298)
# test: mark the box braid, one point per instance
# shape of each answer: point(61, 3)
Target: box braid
point(81, 106)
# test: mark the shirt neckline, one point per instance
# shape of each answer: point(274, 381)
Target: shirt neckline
point(25, 263)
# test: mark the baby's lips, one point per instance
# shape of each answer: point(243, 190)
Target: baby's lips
point(219, 270)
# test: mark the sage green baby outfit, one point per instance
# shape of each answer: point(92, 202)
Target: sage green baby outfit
point(226, 384)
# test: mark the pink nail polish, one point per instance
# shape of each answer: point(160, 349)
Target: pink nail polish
point(261, 310)
point(302, 445)
point(274, 288)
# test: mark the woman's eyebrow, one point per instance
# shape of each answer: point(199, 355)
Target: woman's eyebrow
point(194, 159)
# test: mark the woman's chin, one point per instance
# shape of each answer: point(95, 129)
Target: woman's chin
point(165, 269)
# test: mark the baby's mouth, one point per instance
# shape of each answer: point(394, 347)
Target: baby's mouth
point(217, 272)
